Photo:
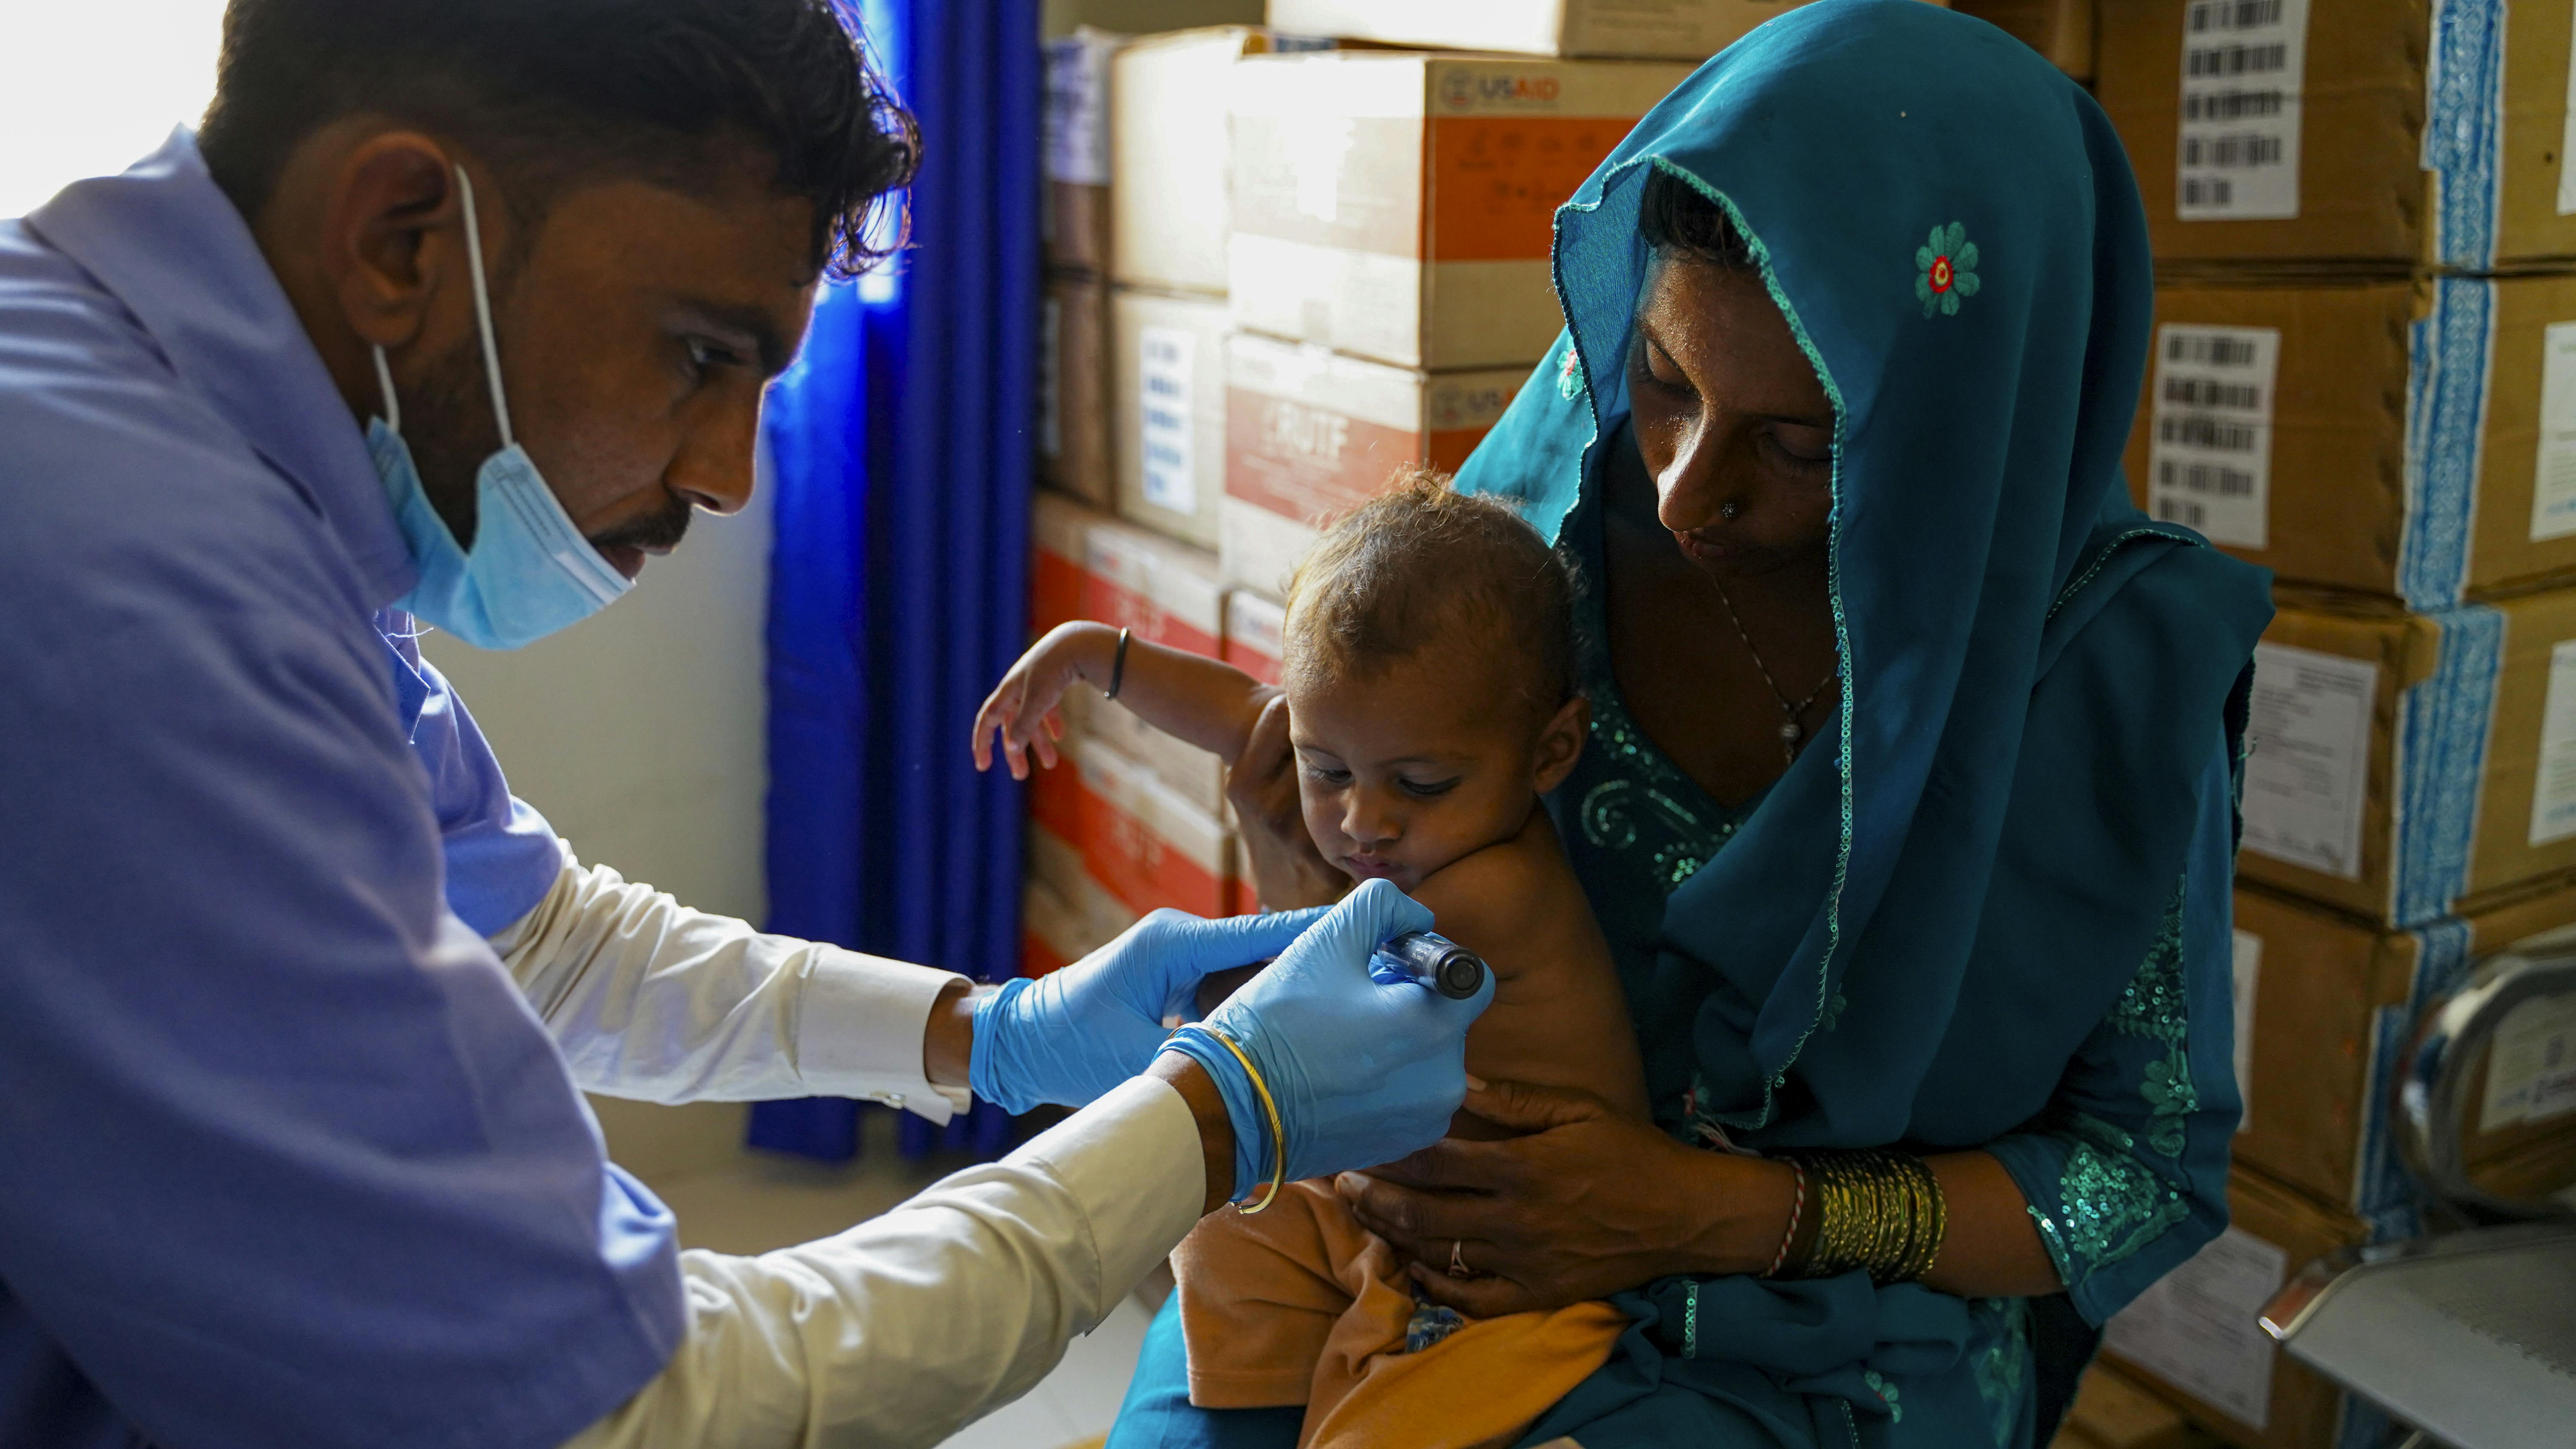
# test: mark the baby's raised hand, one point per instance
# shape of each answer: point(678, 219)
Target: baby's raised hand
point(1022, 708)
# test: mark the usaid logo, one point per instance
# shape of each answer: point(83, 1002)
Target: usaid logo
point(1465, 91)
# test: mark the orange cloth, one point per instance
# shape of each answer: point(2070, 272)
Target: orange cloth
point(1299, 1304)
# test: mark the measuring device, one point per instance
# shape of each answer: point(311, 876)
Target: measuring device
point(1435, 961)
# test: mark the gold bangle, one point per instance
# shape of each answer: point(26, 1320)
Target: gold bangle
point(1278, 1134)
point(1883, 1211)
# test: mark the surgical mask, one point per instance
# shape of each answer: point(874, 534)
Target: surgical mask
point(530, 571)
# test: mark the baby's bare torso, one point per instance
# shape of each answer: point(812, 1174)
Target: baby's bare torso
point(1559, 1016)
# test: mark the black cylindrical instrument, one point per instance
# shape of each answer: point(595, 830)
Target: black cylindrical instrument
point(1436, 962)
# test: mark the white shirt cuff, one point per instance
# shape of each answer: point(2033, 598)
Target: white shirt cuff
point(859, 1030)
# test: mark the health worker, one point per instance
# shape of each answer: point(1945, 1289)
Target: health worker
point(450, 316)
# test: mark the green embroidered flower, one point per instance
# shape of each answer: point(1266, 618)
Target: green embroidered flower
point(1946, 270)
point(1569, 374)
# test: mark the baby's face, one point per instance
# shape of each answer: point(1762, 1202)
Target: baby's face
point(1422, 762)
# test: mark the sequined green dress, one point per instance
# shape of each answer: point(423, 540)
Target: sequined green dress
point(2105, 1172)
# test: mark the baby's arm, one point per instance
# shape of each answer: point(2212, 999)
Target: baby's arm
point(1206, 703)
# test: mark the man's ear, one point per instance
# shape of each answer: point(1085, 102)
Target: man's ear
point(391, 234)
point(1560, 743)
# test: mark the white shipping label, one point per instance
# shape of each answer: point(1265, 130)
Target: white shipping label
point(2237, 157)
point(2200, 1328)
point(1163, 385)
point(2567, 137)
point(2531, 1069)
point(2248, 961)
point(2209, 451)
point(2553, 473)
point(1051, 378)
point(2553, 788)
point(2311, 763)
point(1077, 110)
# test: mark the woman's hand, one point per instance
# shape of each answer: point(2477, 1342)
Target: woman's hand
point(1022, 708)
point(1287, 870)
point(1588, 1204)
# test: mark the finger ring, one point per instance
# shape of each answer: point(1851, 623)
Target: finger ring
point(1458, 1259)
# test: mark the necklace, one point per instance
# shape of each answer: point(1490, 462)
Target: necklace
point(1793, 731)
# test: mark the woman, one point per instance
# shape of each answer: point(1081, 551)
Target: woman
point(1909, 811)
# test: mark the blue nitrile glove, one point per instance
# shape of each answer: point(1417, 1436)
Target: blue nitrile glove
point(1364, 1070)
point(1071, 1035)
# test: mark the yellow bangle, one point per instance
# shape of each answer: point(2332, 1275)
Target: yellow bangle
point(1278, 1134)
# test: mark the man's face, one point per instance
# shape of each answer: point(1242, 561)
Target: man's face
point(638, 327)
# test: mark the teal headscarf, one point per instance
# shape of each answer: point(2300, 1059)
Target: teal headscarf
point(2029, 780)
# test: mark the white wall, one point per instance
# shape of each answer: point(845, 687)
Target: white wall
point(86, 89)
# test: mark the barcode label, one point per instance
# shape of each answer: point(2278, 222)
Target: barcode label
point(2209, 453)
point(2237, 156)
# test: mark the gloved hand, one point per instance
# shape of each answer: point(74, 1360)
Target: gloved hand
point(1363, 1070)
point(1071, 1035)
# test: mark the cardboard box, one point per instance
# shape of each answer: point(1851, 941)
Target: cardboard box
point(2061, 30)
point(1673, 30)
point(2112, 1412)
point(1402, 207)
point(2326, 1012)
point(1166, 592)
point(1241, 898)
point(2299, 131)
point(1144, 841)
point(2196, 1338)
point(1073, 206)
point(2410, 439)
point(1255, 630)
point(1059, 545)
point(2408, 767)
point(1065, 914)
point(1311, 434)
point(1197, 774)
point(1073, 388)
point(1169, 352)
point(1167, 149)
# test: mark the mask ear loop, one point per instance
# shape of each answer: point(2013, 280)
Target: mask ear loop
point(483, 307)
point(385, 380)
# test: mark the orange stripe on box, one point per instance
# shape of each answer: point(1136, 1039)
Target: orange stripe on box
point(1124, 608)
point(1036, 957)
point(1055, 799)
point(1450, 446)
point(1055, 591)
point(1308, 463)
point(1496, 181)
point(1141, 868)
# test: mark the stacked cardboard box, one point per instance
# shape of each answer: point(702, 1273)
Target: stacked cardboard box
point(2111, 1412)
point(1171, 216)
point(2061, 30)
point(2367, 272)
point(1131, 820)
point(1388, 266)
point(1073, 435)
point(1690, 30)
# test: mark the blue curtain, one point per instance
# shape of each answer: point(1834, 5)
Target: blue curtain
point(898, 580)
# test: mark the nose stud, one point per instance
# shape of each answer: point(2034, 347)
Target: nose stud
point(1730, 508)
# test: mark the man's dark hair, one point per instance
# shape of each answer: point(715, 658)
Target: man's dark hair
point(550, 92)
point(1677, 219)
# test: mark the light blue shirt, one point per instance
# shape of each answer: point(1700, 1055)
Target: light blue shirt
point(285, 1158)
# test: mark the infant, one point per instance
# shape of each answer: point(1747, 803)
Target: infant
point(1430, 673)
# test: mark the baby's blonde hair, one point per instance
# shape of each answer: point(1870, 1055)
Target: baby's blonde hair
point(1422, 564)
